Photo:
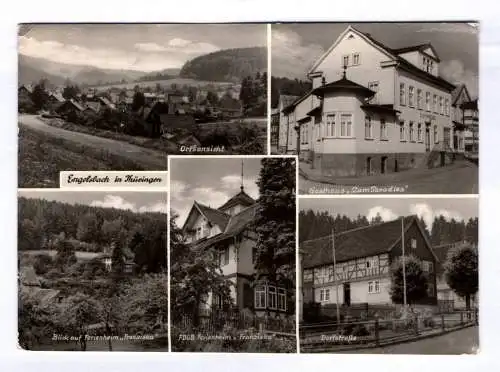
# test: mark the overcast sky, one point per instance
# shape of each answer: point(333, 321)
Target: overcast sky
point(210, 181)
point(134, 201)
point(146, 47)
point(392, 208)
point(296, 46)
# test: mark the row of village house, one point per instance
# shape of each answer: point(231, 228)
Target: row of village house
point(375, 109)
point(172, 103)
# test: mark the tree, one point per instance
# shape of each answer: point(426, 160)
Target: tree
point(377, 219)
point(416, 280)
point(138, 101)
point(70, 91)
point(212, 98)
point(194, 273)
point(65, 255)
point(40, 96)
point(461, 271)
point(275, 222)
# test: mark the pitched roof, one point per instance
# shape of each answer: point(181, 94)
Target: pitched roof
point(94, 106)
point(356, 243)
point(240, 198)
point(394, 54)
point(455, 95)
point(214, 216)
point(76, 104)
point(236, 224)
point(107, 102)
point(419, 47)
point(58, 97)
point(287, 100)
point(343, 84)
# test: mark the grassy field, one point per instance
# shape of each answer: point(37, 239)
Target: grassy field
point(152, 84)
point(232, 129)
point(41, 157)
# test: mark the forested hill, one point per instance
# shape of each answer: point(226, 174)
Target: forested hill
point(93, 228)
point(226, 65)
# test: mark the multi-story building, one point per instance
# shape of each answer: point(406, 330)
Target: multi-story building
point(372, 109)
point(275, 127)
point(363, 257)
point(229, 230)
point(286, 135)
point(466, 116)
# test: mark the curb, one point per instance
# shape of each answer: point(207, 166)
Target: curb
point(389, 343)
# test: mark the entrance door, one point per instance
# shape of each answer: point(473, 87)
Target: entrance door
point(347, 294)
point(427, 138)
point(383, 164)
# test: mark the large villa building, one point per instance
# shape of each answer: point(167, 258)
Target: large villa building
point(372, 109)
point(363, 257)
point(229, 229)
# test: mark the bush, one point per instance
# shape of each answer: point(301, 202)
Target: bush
point(429, 322)
point(43, 263)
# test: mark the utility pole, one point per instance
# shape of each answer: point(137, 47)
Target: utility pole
point(335, 277)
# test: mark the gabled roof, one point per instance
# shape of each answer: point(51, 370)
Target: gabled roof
point(58, 97)
point(392, 54)
point(214, 216)
point(240, 198)
point(76, 104)
point(357, 243)
point(456, 94)
point(94, 106)
point(29, 88)
point(419, 48)
point(107, 102)
point(287, 100)
point(343, 85)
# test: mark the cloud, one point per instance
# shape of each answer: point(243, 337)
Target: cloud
point(114, 201)
point(386, 213)
point(232, 183)
point(425, 212)
point(455, 72)
point(467, 28)
point(149, 47)
point(290, 57)
point(145, 56)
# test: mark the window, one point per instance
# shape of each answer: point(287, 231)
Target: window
point(410, 96)
point(428, 101)
point(330, 125)
point(425, 266)
point(368, 127)
point(419, 132)
point(414, 243)
point(374, 286)
point(223, 257)
point(412, 137)
point(431, 267)
point(436, 136)
point(430, 289)
point(272, 298)
point(419, 99)
point(281, 299)
point(434, 103)
point(254, 255)
point(355, 59)
point(308, 275)
point(447, 107)
point(441, 106)
point(345, 61)
point(324, 295)
point(402, 134)
point(402, 94)
point(260, 297)
point(383, 130)
point(346, 125)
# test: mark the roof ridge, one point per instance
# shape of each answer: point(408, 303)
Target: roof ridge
point(359, 228)
point(213, 209)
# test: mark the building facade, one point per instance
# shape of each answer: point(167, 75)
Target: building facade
point(466, 116)
point(228, 229)
point(275, 127)
point(363, 259)
point(372, 109)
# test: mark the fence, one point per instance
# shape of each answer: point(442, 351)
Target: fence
point(331, 336)
point(215, 321)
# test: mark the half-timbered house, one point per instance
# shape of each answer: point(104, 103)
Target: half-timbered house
point(363, 258)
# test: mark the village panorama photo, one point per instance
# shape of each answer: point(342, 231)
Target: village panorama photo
point(124, 96)
point(377, 107)
point(233, 254)
point(389, 276)
point(92, 271)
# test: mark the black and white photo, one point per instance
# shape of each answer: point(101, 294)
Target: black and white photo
point(377, 107)
point(92, 271)
point(389, 276)
point(122, 97)
point(232, 254)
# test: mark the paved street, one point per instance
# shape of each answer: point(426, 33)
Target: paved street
point(459, 178)
point(149, 158)
point(465, 341)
